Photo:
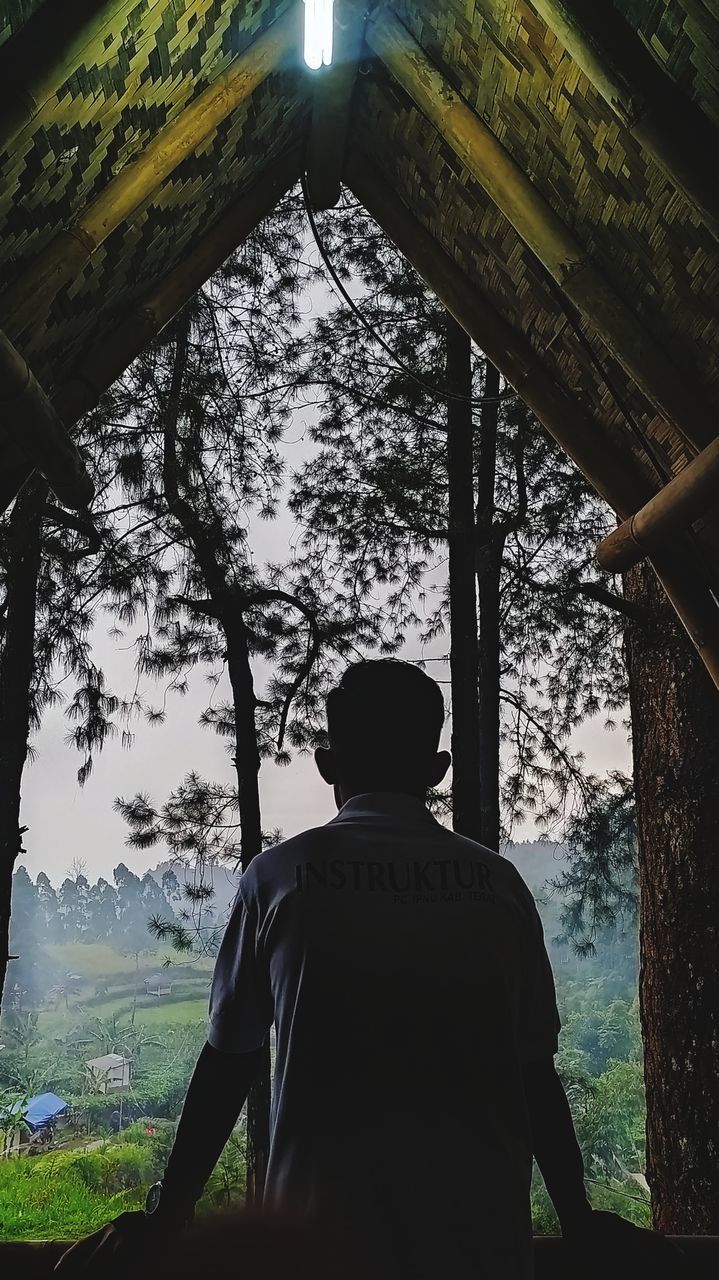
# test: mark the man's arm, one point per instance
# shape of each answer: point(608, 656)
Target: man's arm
point(218, 1090)
point(555, 1145)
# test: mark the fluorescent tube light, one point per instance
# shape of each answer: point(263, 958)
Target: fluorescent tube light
point(319, 25)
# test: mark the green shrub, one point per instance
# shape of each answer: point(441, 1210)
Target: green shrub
point(66, 1194)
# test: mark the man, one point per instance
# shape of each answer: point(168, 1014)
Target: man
point(405, 971)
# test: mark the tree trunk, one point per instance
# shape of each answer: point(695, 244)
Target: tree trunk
point(675, 728)
point(464, 658)
point(228, 612)
point(488, 568)
point(247, 763)
point(16, 670)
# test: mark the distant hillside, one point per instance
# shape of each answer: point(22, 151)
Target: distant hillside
point(536, 861)
point(221, 878)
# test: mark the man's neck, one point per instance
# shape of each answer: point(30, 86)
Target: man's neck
point(345, 791)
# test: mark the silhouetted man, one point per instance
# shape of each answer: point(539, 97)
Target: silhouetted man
point(405, 971)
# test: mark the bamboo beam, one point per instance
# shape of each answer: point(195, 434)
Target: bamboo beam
point(331, 106)
point(105, 363)
point(602, 454)
point(62, 260)
point(675, 507)
point(42, 440)
point(665, 123)
point(542, 230)
point(45, 52)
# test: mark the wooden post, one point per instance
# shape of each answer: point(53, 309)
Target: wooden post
point(105, 362)
point(676, 506)
point(604, 456)
point(28, 299)
point(331, 105)
point(45, 52)
point(40, 436)
point(649, 104)
point(542, 230)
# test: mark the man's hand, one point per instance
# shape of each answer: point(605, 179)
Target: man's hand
point(106, 1253)
point(604, 1244)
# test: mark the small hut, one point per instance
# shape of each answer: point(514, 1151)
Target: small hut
point(110, 1073)
point(158, 986)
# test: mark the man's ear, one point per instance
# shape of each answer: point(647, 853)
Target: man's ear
point(441, 763)
point(325, 761)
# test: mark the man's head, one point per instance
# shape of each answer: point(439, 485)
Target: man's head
point(384, 720)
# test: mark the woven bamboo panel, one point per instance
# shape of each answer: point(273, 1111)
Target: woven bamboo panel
point(161, 53)
point(638, 229)
point(161, 56)
point(683, 36)
point(432, 183)
point(143, 250)
point(14, 14)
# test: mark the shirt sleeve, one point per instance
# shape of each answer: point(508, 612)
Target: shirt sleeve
point(539, 1022)
point(241, 1005)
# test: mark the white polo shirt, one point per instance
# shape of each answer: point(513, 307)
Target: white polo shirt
point(405, 970)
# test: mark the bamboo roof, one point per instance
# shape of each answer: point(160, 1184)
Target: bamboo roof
point(555, 183)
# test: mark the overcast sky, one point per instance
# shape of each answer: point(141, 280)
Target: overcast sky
point(67, 822)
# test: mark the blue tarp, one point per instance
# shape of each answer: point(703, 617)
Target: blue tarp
point(43, 1108)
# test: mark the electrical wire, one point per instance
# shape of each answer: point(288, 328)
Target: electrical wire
point(377, 337)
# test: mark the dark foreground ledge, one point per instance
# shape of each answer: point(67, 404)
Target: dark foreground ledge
point(35, 1261)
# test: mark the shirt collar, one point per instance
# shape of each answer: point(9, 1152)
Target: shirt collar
point(398, 805)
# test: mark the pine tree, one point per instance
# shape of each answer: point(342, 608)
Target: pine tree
point(374, 507)
point(199, 458)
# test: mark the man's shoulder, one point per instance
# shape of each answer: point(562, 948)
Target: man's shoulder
point(473, 848)
point(502, 867)
point(281, 858)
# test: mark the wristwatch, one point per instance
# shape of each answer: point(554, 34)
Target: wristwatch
point(172, 1211)
point(154, 1196)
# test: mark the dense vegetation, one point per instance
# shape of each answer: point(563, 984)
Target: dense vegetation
point(92, 1000)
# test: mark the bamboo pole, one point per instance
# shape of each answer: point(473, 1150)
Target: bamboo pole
point(666, 124)
point(675, 507)
point(542, 229)
point(105, 363)
point(29, 298)
point(42, 438)
point(45, 52)
point(601, 453)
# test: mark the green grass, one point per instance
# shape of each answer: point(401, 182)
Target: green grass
point(97, 960)
point(56, 1022)
point(161, 1014)
point(67, 1194)
point(64, 1195)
